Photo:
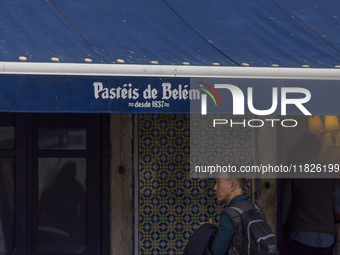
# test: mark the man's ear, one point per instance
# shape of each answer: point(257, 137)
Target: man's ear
point(233, 184)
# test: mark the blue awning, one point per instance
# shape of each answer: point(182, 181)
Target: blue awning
point(56, 50)
point(172, 32)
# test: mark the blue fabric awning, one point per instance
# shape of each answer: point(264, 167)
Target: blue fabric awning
point(192, 39)
point(259, 33)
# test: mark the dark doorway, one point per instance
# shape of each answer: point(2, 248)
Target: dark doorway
point(54, 189)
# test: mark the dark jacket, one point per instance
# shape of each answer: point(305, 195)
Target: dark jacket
point(312, 205)
point(198, 243)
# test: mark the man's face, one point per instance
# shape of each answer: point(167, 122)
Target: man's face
point(222, 190)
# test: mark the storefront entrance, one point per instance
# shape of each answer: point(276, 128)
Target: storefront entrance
point(54, 189)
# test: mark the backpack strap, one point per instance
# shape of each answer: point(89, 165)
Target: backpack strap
point(238, 242)
point(239, 210)
point(244, 205)
point(234, 213)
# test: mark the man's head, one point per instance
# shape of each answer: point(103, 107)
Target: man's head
point(228, 188)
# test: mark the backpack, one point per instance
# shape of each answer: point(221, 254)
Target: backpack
point(259, 237)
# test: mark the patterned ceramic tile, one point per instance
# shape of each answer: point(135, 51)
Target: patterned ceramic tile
point(170, 203)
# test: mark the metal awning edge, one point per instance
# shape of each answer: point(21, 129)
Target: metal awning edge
point(91, 69)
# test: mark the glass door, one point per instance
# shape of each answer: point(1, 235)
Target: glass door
point(13, 213)
point(53, 184)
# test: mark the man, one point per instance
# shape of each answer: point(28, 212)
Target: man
point(310, 223)
point(229, 191)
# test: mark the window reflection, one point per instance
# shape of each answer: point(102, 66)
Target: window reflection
point(7, 139)
point(62, 205)
point(6, 205)
point(62, 139)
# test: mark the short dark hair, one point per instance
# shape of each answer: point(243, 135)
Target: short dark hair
point(310, 144)
point(241, 182)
